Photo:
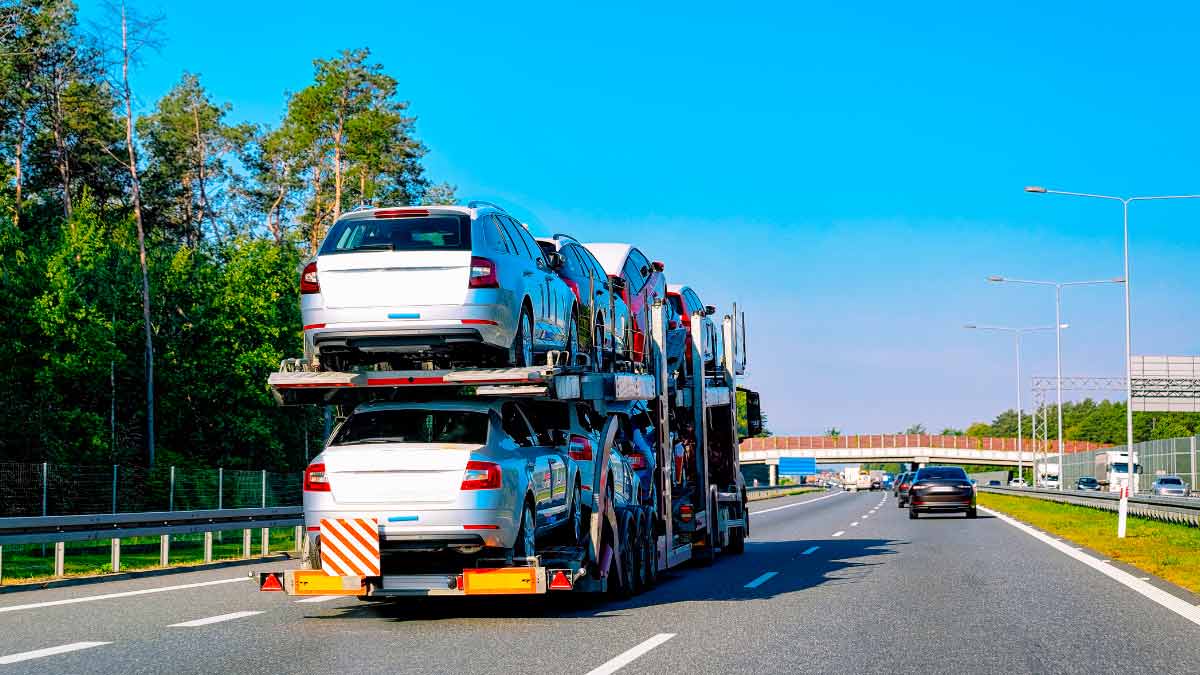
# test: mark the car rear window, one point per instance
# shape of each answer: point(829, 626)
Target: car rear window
point(937, 472)
point(1170, 481)
point(449, 232)
point(414, 426)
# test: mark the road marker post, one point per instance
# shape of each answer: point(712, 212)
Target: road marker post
point(1122, 512)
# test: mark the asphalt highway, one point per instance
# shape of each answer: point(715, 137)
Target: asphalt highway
point(834, 583)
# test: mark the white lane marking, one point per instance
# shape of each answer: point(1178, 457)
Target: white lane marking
point(760, 580)
point(213, 619)
point(809, 550)
point(866, 515)
point(319, 598)
point(49, 651)
point(839, 533)
point(788, 506)
point(627, 657)
point(854, 524)
point(126, 594)
point(1180, 607)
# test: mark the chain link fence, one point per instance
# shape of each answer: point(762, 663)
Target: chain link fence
point(59, 490)
point(1165, 457)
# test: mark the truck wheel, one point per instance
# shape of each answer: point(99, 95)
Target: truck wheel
point(624, 586)
point(650, 552)
point(737, 541)
point(912, 514)
point(972, 513)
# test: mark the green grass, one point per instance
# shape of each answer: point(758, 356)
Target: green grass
point(1167, 550)
point(32, 562)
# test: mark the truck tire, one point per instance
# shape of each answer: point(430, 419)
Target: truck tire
point(623, 588)
point(650, 555)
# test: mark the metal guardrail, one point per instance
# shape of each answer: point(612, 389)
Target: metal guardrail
point(1170, 509)
point(755, 494)
point(61, 529)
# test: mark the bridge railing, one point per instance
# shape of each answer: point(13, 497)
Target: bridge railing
point(879, 441)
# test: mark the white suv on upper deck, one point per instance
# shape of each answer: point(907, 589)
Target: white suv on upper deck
point(451, 285)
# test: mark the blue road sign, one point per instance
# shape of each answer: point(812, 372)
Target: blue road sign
point(797, 466)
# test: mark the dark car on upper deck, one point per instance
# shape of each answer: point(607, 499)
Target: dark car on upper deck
point(941, 489)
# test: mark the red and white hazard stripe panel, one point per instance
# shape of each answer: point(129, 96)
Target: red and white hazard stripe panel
point(350, 547)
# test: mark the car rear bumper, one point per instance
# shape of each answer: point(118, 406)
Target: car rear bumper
point(942, 504)
point(390, 329)
point(434, 529)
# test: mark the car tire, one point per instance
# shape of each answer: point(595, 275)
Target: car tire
point(525, 545)
point(624, 587)
point(521, 353)
point(972, 513)
point(912, 514)
point(577, 523)
point(650, 552)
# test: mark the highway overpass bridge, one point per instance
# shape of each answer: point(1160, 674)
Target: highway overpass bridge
point(918, 449)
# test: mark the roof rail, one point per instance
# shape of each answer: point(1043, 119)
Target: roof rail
point(476, 203)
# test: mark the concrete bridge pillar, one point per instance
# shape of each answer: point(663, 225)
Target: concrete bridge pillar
point(774, 474)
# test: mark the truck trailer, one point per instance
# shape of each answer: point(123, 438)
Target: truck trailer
point(698, 505)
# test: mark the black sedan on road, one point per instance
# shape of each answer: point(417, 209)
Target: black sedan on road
point(1087, 483)
point(941, 489)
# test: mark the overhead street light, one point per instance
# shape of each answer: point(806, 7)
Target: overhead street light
point(1125, 201)
point(1017, 333)
point(1058, 286)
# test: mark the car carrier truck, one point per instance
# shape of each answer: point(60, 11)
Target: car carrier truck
point(698, 505)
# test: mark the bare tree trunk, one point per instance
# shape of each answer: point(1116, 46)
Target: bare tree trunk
point(200, 159)
point(22, 125)
point(60, 146)
point(135, 189)
point(274, 217)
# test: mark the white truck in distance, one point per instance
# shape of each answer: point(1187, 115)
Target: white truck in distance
point(1047, 474)
point(850, 479)
point(1112, 469)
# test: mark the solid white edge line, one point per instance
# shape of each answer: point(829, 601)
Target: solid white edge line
point(809, 550)
point(125, 594)
point(48, 651)
point(1181, 607)
point(627, 657)
point(213, 619)
point(788, 506)
point(760, 580)
point(319, 598)
point(838, 533)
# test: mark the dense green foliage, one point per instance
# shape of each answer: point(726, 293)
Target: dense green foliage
point(230, 212)
point(1088, 420)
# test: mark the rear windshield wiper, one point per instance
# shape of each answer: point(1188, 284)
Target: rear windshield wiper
point(388, 246)
point(363, 441)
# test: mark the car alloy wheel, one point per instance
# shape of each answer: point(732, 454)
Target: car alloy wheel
point(522, 349)
point(525, 545)
point(576, 517)
point(572, 339)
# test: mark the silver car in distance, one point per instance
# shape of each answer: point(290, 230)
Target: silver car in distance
point(460, 476)
point(456, 286)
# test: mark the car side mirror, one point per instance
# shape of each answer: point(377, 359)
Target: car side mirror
point(658, 266)
point(617, 284)
point(555, 260)
point(709, 310)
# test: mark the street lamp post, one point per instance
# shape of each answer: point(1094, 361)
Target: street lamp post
point(1058, 287)
point(1125, 201)
point(1017, 333)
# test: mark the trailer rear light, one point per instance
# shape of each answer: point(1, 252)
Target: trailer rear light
point(483, 273)
point(308, 279)
point(637, 461)
point(579, 448)
point(672, 324)
point(315, 478)
point(559, 581)
point(685, 513)
point(481, 476)
point(401, 213)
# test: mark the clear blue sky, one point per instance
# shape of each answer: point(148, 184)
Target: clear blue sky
point(849, 173)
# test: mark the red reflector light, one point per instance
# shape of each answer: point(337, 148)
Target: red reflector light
point(314, 325)
point(479, 322)
point(269, 581)
point(308, 279)
point(458, 582)
point(637, 461)
point(315, 479)
point(481, 476)
point(401, 213)
point(579, 448)
point(559, 581)
point(483, 273)
point(314, 528)
point(685, 513)
point(481, 527)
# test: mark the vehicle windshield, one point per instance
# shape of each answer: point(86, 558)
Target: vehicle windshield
point(414, 426)
point(449, 232)
point(941, 472)
point(1122, 467)
point(1088, 481)
point(1170, 481)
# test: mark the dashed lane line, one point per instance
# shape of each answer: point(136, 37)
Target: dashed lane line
point(788, 506)
point(213, 619)
point(760, 580)
point(49, 651)
point(319, 598)
point(126, 594)
point(627, 657)
point(839, 533)
point(854, 524)
point(1181, 607)
point(810, 550)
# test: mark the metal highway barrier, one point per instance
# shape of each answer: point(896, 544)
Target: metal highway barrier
point(1170, 509)
point(163, 524)
point(755, 494)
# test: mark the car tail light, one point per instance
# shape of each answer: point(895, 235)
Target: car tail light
point(308, 279)
point(579, 448)
point(637, 461)
point(481, 476)
point(672, 324)
point(401, 213)
point(315, 478)
point(685, 513)
point(658, 266)
point(574, 288)
point(483, 273)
